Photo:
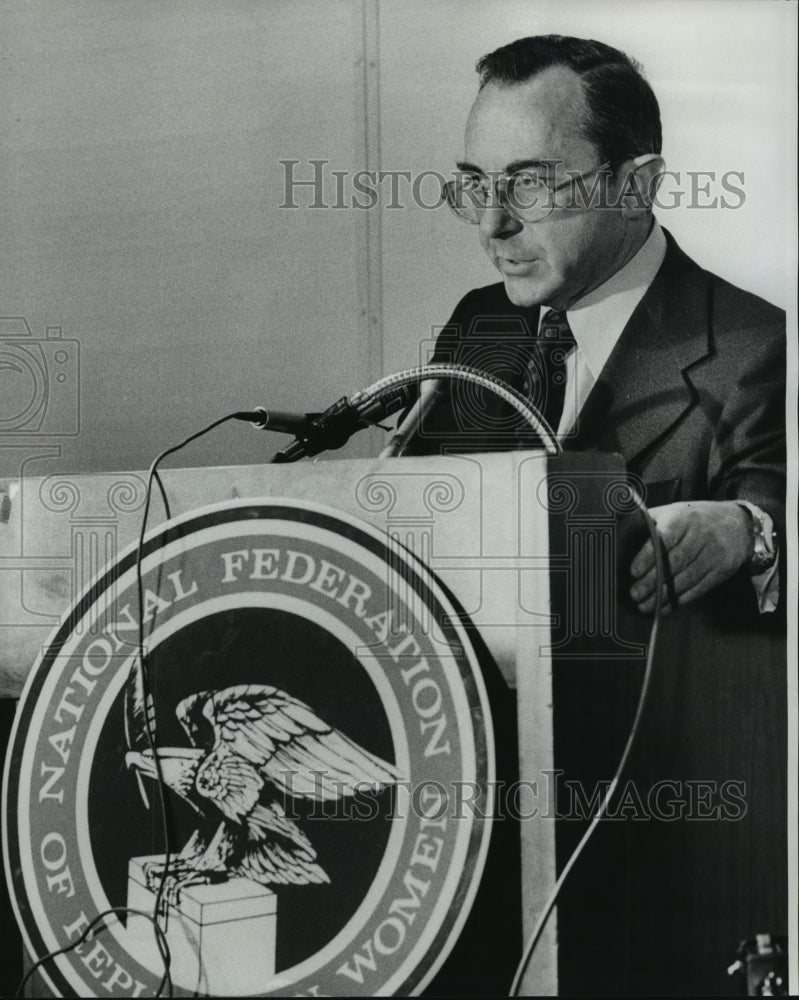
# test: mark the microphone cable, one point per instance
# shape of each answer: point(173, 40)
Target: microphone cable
point(163, 947)
point(662, 577)
point(141, 666)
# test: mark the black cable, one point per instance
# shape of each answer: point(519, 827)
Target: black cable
point(167, 511)
point(160, 937)
point(546, 912)
point(142, 666)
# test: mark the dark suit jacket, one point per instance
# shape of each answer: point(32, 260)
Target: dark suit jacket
point(693, 395)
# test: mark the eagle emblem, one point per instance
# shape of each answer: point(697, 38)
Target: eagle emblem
point(251, 744)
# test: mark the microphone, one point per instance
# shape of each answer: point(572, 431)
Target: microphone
point(281, 421)
point(317, 432)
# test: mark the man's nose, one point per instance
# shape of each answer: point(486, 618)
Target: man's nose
point(496, 222)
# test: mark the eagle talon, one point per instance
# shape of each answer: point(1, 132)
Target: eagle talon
point(179, 876)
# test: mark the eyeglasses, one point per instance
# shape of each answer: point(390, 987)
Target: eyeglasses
point(524, 194)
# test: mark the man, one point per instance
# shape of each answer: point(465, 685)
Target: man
point(628, 346)
point(677, 370)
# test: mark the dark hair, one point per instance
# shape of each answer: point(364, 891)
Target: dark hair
point(623, 113)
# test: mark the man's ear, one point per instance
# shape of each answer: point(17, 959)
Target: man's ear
point(638, 182)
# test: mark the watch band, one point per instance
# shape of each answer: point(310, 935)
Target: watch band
point(764, 540)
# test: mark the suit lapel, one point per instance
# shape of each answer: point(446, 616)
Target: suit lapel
point(645, 390)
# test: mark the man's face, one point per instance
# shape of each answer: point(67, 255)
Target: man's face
point(562, 257)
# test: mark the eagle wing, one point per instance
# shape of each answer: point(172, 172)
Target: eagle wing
point(257, 733)
point(278, 851)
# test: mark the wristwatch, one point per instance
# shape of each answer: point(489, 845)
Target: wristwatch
point(764, 540)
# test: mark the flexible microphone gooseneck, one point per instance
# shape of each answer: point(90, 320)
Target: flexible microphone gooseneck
point(438, 373)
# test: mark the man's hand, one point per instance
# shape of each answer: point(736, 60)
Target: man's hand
point(706, 541)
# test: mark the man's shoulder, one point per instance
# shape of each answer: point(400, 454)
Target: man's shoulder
point(728, 306)
point(486, 300)
point(735, 308)
point(486, 313)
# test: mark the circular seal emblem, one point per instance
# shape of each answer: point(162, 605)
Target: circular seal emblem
point(317, 713)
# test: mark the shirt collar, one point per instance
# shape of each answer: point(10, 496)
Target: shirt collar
point(597, 319)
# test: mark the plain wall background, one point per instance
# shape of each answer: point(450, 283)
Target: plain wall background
point(141, 187)
point(141, 191)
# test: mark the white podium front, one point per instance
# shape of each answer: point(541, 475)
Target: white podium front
point(481, 524)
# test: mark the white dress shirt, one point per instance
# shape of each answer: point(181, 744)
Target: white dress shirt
point(597, 321)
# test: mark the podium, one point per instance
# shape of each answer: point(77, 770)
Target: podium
point(533, 551)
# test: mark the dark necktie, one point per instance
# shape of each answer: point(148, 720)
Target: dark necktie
point(545, 384)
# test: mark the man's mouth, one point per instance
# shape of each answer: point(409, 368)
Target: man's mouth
point(511, 265)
